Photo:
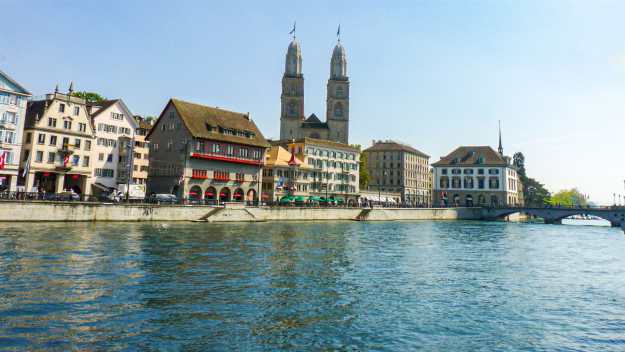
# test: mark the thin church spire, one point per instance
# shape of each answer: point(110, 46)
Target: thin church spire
point(500, 149)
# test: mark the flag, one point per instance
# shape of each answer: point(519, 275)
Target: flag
point(181, 179)
point(65, 160)
point(293, 30)
point(26, 166)
point(3, 159)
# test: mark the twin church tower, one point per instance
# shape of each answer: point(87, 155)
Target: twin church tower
point(293, 123)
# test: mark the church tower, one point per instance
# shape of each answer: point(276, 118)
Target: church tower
point(292, 98)
point(337, 100)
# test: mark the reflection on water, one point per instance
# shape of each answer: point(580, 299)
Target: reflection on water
point(312, 286)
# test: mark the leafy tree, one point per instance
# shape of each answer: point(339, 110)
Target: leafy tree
point(534, 192)
point(90, 97)
point(364, 172)
point(569, 198)
point(518, 160)
point(150, 119)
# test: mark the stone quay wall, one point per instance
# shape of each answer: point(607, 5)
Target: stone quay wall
point(15, 211)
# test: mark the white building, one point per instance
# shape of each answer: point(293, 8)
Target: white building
point(115, 129)
point(12, 113)
point(476, 176)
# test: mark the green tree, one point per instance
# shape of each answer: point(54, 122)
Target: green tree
point(534, 192)
point(364, 172)
point(569, 198)
point(90, 97)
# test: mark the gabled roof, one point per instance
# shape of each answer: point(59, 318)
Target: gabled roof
point(197, 118)
point(19, 87)
point(471, 156)
point(313, 122)
point(35, 110)
point(278, 156)
point(394, 146)
point(102, 105)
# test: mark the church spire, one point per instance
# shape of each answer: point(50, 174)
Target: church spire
point(500, 149)
point(338, 64)
point(293, 63)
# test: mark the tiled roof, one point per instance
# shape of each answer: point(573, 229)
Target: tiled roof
point(315, 141)
point(472, 155)
point(280, 157)
point(35, 109)
point(313, 118)
point(17, 85)
point(102, 105)
point(198, 117)
point(394, 146)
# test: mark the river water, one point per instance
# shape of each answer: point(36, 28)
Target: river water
point(388, 286)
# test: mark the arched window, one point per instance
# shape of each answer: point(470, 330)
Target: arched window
point(338, 110)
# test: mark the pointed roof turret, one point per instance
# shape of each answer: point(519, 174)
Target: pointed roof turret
point(338, 64)
point(293, 63)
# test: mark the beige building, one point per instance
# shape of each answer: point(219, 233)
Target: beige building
point(205, 154)
point(141, 159)
point(284, 174)
point(12, 113)
point(333, 167)
point(57, 150)
point(397, 167)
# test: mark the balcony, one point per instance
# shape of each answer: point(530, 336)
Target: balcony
point(199, 174)
point(67, 149)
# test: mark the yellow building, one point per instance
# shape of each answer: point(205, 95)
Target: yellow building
point(141, 160)
point(284, 174)
point(58, 138)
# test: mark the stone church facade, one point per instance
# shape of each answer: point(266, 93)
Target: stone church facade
point(293, 122)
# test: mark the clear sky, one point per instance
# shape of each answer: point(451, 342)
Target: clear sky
point(435, 74)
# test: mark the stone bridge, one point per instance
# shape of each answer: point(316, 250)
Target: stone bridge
point(616, 216)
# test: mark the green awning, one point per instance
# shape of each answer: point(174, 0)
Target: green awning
point(315, 199)
point(286, 199)
point(300, 199)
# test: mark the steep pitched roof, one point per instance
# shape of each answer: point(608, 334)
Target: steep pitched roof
point(471, 156)
point(280, 157)
point(34, 111)
point(313, 118)
point(197, 118)
point(21, 90)
point(102, 105)
point(394, 146)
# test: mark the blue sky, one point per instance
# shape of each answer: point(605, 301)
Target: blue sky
point(435, 74)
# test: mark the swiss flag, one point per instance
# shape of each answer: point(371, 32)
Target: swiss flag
point(3, 159)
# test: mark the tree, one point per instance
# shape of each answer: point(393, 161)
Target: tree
point(534, 192)
point(364, 172)
point(568, 198)
point(518, 160)
point(90, 97)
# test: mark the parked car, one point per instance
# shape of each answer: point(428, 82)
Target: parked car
point(163, 198)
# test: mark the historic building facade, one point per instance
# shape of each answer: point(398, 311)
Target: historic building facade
point(205, 154)
point(293, 123)
point(331, 168)
point(284, 175)
point(141, 158)
point(13, 99)
point(115, 129)
point(476, 176)
point(397, 167)
point(58, 145)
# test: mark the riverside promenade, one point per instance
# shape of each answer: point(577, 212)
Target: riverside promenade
point(29, 211)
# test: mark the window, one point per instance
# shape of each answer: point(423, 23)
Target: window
point(61, 107)
point(41, 138)
point(39, 156)
point(65, 142)
point(480, 171)
point(29, 137)
point(101, 157)
point(52, 140)
point(51, 122)
point(87, 145)
point(199, 174)
point(109, 158)
point(75, 160)
point(339, 92)
point(493, 171)
point(76, 110)
point(9, 117)
point(124, 130)
point(468, 182)
point(116, 116)
point(107, 128)
point(456, 171)
point(493, 182)
point(51, 157)
point(67, 124)
point(85, 161)
point(338, 110)
point(455, 182)
point(480, 182)
point(77, 143)
point(82, 127)
point(107, 142)
point(444, 171)
point(468, 171)
point(221, 175)
point(104, 172)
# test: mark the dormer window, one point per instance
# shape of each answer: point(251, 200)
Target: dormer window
point(61, 107)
